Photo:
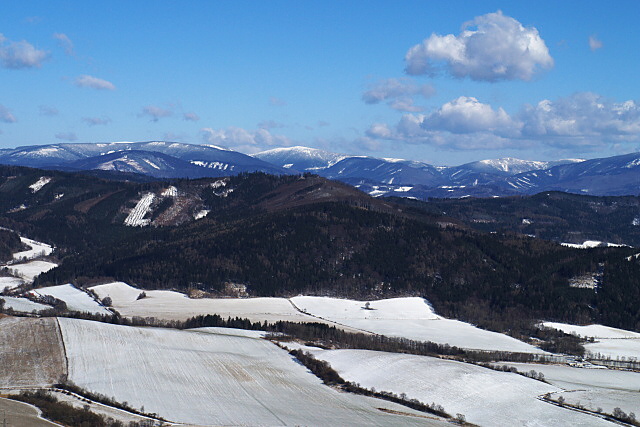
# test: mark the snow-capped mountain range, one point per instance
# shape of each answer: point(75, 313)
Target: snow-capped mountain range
point(618, 175)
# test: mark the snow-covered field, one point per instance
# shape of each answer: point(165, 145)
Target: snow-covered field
point(76, 299)
point(610, 342)
point(37, 249)
point(29, 270)
point(23, 305)
point(593, 388)
point(176, 306)
point(592, 331)
point(211, 379)
point(484, 396)
point(411, 318)
point(10, 282)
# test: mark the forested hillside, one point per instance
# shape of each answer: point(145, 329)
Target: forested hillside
point(561, 217)
point(281, 236)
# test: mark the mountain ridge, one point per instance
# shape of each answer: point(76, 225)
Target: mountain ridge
point(616, 175)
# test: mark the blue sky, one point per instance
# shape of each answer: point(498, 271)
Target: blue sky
point(442, 82)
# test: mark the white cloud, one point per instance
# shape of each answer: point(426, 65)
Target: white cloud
point(65, 42)
point(95, 121)
point(94, 83)
point(155, 113)
point(22, 54)
point(584, 121)
point(67, 136)
point(594, 43)
point(492, 47)
point(6, 116)
point(244, 140)
point(46, 110)
point(191, 117)
point(397, 93)
point(468, 115)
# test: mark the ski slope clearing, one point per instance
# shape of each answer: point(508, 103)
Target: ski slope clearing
point(76, 299)
point(23, 305)
point(484, 396)
point(136, 217)
point(593, 388)
point(171, 305)
point(29, 270)
point(31, 352)
point(210, 379)
point(37, 249)
point(610, 342)
point(411, 318)
point(37, 186)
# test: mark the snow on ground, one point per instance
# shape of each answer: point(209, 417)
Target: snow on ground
point(629, 349)
point(411, 318)
point(22, 414)
point(76, 299)
point(176, 306)
point(136, 216)
point(587, 244)
point(23, 305)
point(29, 270)
point(484, 396)
point(209, 379)
point(37, 186)
point(10, 282)
point(593, 388)
point(231, 331)
point(37, 249)
point(610, 342)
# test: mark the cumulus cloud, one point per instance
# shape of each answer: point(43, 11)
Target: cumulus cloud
point(46, 110)
point(397, 93)
point(6, 116)
point(583, 120)
point(491, 47)
point(22, 54)
point(277, 102)
point(67, 136)
point(155, 113)
point(191, 117)
point(94, 83)
point(95, 121)
point(468, 115)
point(244, 140)
point(594, 43)
point(64, 42)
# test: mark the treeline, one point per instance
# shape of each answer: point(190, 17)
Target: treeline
point(66, 414)
point(9, 243)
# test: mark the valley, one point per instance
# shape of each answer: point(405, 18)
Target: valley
point(394, 300)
